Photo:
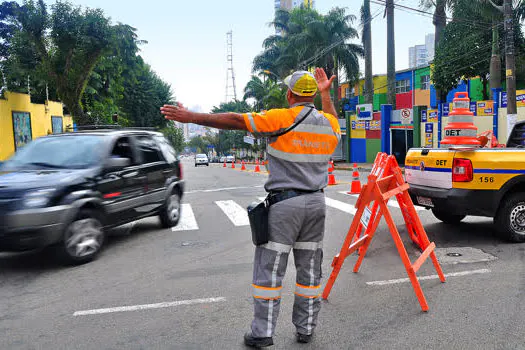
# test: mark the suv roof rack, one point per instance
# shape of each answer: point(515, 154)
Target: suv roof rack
point(112, 126)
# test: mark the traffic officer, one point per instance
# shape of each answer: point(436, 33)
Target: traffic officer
point(297, 162)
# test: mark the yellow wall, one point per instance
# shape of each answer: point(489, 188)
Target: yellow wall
point(40, 115)
point(379, 82)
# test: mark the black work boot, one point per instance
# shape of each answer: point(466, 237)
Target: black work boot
point(304, 338)
point(256, 342)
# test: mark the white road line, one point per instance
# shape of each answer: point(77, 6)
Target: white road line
point(431, 277)
point(347, 208)
point(187, 219)
point(223, 189)
point(237, 214)
point(148, 306)
point(392, 202)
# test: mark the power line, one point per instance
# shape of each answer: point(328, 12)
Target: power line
point(425, 13)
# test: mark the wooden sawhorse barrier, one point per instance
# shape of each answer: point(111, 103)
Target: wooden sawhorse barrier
point(384, 182)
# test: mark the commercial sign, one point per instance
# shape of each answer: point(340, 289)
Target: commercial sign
point(249, 140)
point(485, 108)
point(446, 109)
point(520, 99)
point(424, 116)
point(432, 116)
point(429, 134)
point(364, 112)
point(473, 107)
point(366, 125)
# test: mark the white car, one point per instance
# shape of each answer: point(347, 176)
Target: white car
point(230, 159)
point(201, 159)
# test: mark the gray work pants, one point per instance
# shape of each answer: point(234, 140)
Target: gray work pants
point(296, 223)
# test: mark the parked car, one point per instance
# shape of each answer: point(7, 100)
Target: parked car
point(67, 190)
point(201, 159)
point(222, 159)
point(230, 159)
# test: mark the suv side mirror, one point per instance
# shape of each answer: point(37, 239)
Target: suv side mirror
point(117, 163)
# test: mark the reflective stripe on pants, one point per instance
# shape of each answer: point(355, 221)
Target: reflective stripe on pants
point(296, 223)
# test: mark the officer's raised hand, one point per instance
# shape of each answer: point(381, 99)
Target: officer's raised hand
point(323, 83)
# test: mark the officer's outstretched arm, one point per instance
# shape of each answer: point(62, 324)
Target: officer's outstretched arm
point(230, 121)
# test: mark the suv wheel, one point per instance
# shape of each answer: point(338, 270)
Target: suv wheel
point(170, 214)
point(447, 217)
point(510, 219)
point(83, 238)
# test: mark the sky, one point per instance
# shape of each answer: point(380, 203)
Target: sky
point(187, 39)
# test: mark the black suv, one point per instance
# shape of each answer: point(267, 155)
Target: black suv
point(66, 190)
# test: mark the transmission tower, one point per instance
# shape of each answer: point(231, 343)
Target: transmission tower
point(229, 72)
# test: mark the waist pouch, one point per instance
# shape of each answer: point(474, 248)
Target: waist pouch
point(258, 213)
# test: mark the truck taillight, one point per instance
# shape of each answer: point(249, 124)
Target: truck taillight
point(462, 170)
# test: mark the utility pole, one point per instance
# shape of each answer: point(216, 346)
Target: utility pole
point(367, 43)
point(510, 62)
point(391, 54)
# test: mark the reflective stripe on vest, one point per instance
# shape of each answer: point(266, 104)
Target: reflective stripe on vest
point(308, 292)
point(267, 293)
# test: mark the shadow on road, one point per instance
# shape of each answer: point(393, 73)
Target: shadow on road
point(45, 260)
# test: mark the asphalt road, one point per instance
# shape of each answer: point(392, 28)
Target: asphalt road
point(195, 283)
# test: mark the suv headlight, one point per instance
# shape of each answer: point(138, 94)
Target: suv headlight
point(38, 198)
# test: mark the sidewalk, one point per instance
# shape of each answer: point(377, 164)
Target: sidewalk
point(350, 166)
point(360, 166)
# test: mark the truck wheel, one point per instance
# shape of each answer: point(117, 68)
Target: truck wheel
point(170, 213)
point(510, 219)
point(83, 238)
point(447, 217)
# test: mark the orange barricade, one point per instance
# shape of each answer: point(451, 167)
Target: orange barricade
point(384, 182)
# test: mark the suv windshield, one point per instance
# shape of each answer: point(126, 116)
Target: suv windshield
point(201, 156)
point(64, 152)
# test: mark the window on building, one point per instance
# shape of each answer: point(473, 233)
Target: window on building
point(402, 86)
point(347, 93)
point(425, 82)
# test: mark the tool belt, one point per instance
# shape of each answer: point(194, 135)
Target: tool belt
point(258, 212)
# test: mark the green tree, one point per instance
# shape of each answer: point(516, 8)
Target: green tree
point(309, 40)
point(267, 94)
point(67, 43)
point(175, 136)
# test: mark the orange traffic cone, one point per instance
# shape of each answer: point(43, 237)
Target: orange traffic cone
point(356, 184)
point(460, 131)
point(243, 167)
point(331, 177)
point(224, 166)
point(257, 169)
point(233, 164)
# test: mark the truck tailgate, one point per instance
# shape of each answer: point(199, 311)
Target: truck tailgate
point(429, 167)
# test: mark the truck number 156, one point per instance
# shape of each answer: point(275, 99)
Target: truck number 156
point(486, 179)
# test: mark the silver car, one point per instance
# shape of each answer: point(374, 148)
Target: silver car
point(201, 159)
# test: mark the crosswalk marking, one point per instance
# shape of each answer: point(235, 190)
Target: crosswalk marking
point(392, 202)
point(239, 217)
point(347, 208)
point(237, 214)
point(187, 219)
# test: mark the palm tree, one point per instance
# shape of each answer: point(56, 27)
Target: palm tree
point(308, 39)
point(328, 39)
point(367, 45)
point(256, 89)
point(267, 94)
